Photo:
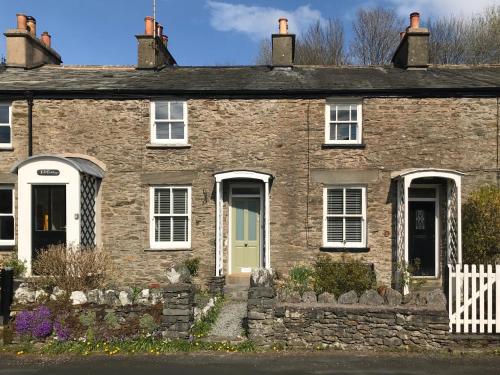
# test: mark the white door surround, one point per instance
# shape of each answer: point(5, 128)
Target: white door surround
point(52, 170)
point(404, 180)
point(219, 209)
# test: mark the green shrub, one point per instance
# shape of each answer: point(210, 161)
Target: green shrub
point(481, 227)
point(301, 278)
point(340, 277)
point(111, 320)
point(193, 265)
point(18, 266)
point(147, 323)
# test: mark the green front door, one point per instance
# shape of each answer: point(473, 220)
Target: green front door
point(245, 243)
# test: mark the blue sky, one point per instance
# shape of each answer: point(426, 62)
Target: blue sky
point(201, 32)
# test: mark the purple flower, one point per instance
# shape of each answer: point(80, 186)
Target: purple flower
point(62, 331)
point(37, 323)
point(23, 322)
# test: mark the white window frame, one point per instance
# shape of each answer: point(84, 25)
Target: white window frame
point(359, 121)
point(13, 214)
point(168, 245)
point(9, 125)
point(344, 244)
point(170, 141)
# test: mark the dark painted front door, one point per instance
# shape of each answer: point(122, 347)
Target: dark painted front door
point(422, 238)
point(49, 216)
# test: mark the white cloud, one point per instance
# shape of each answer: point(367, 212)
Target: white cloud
point(442, 7)
point(259, 22)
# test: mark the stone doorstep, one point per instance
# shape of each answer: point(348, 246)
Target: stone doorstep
point(238, 279)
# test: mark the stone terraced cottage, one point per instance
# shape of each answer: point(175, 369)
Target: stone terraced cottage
point(242, 166)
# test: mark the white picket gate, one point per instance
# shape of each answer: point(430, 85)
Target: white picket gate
point(474, 298)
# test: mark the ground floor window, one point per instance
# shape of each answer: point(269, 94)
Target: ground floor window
point(6, 215)
point(344, 216)
point(170, 209)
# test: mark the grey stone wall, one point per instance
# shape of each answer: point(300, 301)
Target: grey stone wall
point(178, 310)
point(280, 136)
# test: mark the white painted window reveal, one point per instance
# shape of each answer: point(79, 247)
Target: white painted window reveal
point(7, 216)
point(343, 122)
point(169, 124)
point(344, 216)
point(170, 217)
point(5, 125)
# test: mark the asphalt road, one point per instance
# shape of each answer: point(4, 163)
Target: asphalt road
point(239, 364)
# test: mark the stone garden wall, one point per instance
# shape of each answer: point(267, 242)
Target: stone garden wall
point(375, 320)
point(171, 306)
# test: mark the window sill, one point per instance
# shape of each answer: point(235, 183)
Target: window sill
point(7, 247)
point(336, 249)
point(325, 146)
point(151, 249)
point(172, 145)
point(6, 148)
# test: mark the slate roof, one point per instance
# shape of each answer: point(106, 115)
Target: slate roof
point(251, 80)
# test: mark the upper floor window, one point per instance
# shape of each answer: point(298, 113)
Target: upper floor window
point(170, 217)
point(5, 126)
point(169, 122)
point(6, 215)
point(345, 216)
point(343, 122)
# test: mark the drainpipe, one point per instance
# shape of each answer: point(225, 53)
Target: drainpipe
point(29, 99)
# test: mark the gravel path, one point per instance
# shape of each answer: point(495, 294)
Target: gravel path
point(229, 324)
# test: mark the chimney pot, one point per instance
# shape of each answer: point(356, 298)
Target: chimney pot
point(46, 39)
point(165, 40)
point(149, 25)
point(31, 22)
point(21, 22)
point(159, 30)
point(414, 20)
point(283, 26)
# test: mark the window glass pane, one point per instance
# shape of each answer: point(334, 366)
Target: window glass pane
point(343, 112)
point(6, 227)
point(42, 208)
point(353, 229)
point(5, 201)
point(246, 190)
point(176, 111)
point(162, 229)
point(422, 193)
point(180, 197)
point(177, 130)
point(353, 201)
point(332, 131)
point(343, 132)
point(58, 202)
point(4, 114)
point(161, 110)
point(240, 219)
point(354, 128)
point(335, 202)
point(162, 201)
point(253, 215)
point(334, 229)
point(354, 113)
point(180, 229)
point(4, 134)
point(333, 113)
point(162, 131)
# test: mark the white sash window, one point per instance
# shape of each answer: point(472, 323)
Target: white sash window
point(170, 217)
point(169, 122)
point(5, 126)
point(343, 122)
point(344, 216)
point(6, 216)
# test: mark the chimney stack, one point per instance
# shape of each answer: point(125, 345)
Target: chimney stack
point(24, 50)
point(413, 50)
point(152, 52)
point(283, 46)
